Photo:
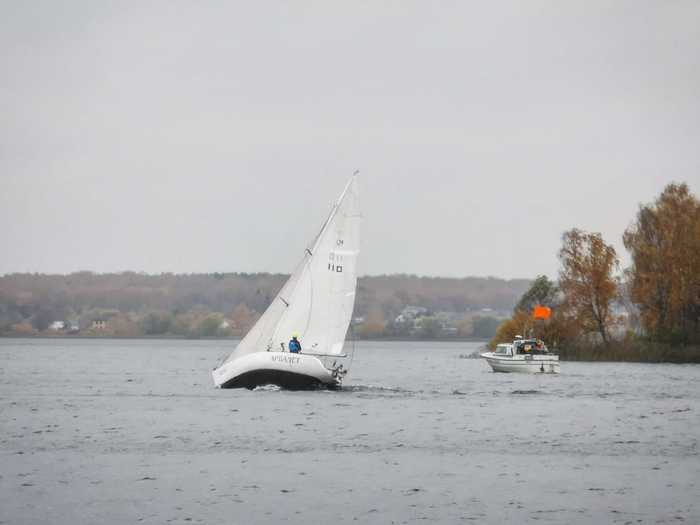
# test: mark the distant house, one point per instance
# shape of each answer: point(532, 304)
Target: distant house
point(411, 313)
point(415, 311)
point(98, 324)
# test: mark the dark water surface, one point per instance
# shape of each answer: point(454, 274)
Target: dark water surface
point(108, 431)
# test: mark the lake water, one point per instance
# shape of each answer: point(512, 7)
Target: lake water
point(112, 431)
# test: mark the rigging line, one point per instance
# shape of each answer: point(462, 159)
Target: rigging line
point(331, 215)
point(311, 300)
point(222, 360)
point(293, 284)
point(352, 338)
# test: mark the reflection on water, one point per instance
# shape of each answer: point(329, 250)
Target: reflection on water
point(97, 431)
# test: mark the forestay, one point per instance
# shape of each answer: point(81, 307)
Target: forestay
point(318, 299)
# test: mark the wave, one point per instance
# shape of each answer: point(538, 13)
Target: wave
point(378, 389)
point(267, 388)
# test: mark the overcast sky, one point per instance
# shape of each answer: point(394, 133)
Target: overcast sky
point(213, 136)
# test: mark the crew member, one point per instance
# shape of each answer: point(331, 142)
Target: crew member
point(295, 345)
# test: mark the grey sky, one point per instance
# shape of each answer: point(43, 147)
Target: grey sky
point(213, 136)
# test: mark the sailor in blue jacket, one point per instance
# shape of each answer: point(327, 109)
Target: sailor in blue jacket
point(295, 345)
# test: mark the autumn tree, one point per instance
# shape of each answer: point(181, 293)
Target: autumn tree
point(430, 327)
point(43, 318)
point(557, 331)
point(664, 279)
point(508, 329)
point(156, 323)
point(542, 291)
point(465, 327)
point(374, 324)
point(586, 280)
point(122, 325)
point(242, 319)
point(209, 325)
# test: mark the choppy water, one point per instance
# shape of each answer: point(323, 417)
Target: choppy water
point(96, 431)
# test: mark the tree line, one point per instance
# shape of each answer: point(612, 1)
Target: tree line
point(227, 304)
point(649, 311)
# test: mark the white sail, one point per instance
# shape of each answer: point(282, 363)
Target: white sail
point(318, 299)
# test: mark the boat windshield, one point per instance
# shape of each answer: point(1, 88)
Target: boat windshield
point(503, 350)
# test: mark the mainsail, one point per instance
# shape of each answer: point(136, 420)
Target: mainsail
point(318, 299)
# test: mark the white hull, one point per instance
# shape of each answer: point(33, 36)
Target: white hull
point(284, 369)
point(532, 364)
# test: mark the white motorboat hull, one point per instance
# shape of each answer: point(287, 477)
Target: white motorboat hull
point(284, 369)
point(532, 364)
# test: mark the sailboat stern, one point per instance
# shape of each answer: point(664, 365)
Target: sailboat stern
point(284, 369)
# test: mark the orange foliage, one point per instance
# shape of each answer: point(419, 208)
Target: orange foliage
point(558, 330)
point(665, 275)
point(242, 319)
point(586, 280)
point(24, 328)
point(373, 325)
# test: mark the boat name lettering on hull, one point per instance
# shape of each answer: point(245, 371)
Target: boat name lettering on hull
point(292, 360)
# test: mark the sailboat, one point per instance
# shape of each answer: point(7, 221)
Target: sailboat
point(316, 303)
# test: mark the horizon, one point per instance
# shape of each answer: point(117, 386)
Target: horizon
point(157, 274)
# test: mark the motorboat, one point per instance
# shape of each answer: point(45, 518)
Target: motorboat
point(523, 355)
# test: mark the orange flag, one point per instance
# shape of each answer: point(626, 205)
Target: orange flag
point(542, 312)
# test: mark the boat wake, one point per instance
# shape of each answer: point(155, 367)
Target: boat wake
point(386, 391)
point(526, 392)
point(379, 390)
point(267, 388)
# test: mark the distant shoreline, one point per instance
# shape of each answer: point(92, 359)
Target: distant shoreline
point(641, 353)
point(234, 339)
